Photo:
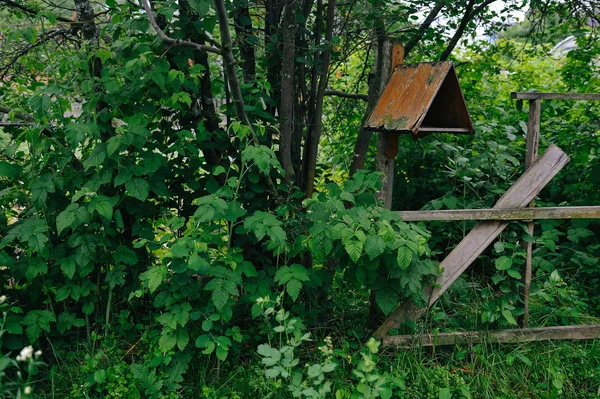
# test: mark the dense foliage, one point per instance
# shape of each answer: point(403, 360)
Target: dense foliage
point(168, 227)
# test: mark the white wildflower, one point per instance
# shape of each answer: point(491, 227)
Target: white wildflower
point(38, 353)
point(2, 299)
point(28, 390)
point(25, 354)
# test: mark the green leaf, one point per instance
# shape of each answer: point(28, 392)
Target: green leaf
point(37, 242)
point(104, 207)
point(138, 188)
point(123, 176)
point(222, 353)
point(404, 257)
point(200, 6)
point(96, 157)
point(183, 338)
point(514, 274)
point(221, 291)
point(387, 299)
point(346, 196)
point(198, 264)
point(354, 249)
point(113, 144)
point(498, 246)
point(9, 170)
point(293, 288)
point(320, 246)
point(202, 341)
point(207, 325)
point(445, 393)
point(100, 376)
point(39, 104)
point(299, 272)
point(153, 277)
point(374, 246)
point(125, 255)
point(68, 267)
point(503, 263)
point(159, 79)
point(263, 157)
point(509, 317)
point(167, 341)
point(66, 218)
point(36, 322)
point(182, 97)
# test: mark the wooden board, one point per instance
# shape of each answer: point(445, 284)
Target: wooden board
point(497, 336)
point(518, 195)
point(555, 96)
point(564, 212)
point(531, 155)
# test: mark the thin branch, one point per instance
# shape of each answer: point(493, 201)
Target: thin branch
point(15, 124)
point(19, 114)
point(170, 40)
point(356, 96)
point(26, 49)
point(470, 13)
point(31, 11)
point(459, 32)
point(424, 27)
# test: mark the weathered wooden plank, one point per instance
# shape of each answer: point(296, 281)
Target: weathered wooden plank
point(564, 212)
point(531, 155)
point(555, 96)
point(519, 195)
point(497, 336)
point(533, 133)
point(429, 129)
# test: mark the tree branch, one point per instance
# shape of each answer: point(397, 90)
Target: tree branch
point(26, 49)
point(31, 11)
point(170, 40)
point(19, 114)
point(424, 27)
point(354, 96)
point(470, 13)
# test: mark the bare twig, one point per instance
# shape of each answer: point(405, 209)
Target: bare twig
point(170, 40)
point(60, 32)
point(355, 96)
point(31, 11)
point(470, 13)
point(19, 114)
point(424, 27)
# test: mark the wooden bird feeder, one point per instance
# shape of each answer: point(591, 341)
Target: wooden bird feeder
point(420, 99)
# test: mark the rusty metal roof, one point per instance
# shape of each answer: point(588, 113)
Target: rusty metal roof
point(421, 99)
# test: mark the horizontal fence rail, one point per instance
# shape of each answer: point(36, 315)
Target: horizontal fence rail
point(556, 96)
point(566, 212)
point(496, 336)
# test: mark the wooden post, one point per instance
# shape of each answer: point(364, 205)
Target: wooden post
point(387, 143)
point(391, 139)
point(531, 155)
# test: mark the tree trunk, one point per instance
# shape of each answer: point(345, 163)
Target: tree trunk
point(377, 80)
point(286, 107)
point(315, 128)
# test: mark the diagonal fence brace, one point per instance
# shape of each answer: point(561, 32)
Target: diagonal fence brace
point(473, 244)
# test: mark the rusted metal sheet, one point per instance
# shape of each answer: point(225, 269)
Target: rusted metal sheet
point(421, 99)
